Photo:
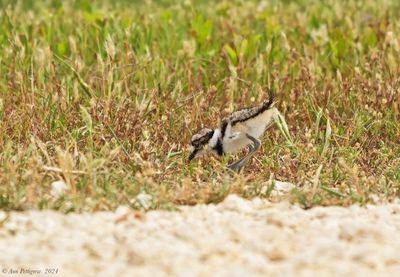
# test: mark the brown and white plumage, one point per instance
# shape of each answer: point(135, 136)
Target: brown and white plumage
point(236, 131)
point(250, 121)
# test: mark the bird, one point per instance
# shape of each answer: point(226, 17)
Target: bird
point(240, 129)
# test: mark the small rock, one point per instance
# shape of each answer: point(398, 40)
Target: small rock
point(281, 188)
point(3, 215)
point(58, 188)
point(144, 200)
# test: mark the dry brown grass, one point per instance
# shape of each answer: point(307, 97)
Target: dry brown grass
point(108, 95)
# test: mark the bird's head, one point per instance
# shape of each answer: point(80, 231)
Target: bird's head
point(200, 142)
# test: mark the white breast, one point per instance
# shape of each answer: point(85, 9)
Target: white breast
point(235, 137)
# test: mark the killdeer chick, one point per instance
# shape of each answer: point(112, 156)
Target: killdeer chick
point(240, 129)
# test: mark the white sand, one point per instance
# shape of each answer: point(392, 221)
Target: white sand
point(234, 238)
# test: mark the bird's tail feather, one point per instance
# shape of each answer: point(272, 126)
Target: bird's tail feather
point(268, 103)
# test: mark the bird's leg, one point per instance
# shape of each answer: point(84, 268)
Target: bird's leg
point(236, 166)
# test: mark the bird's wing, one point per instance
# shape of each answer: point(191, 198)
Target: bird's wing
point(243, 115)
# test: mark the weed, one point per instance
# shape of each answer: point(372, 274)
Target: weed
point(105, 96)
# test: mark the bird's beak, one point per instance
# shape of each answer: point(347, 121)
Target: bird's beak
point(193, 154)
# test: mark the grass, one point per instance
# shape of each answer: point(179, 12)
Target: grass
point(106, 96)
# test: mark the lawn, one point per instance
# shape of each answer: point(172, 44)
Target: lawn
point(105, 95)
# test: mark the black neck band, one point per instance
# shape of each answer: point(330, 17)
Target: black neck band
point(218, 147)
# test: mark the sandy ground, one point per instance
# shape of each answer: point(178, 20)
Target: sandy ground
point(235, 238)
